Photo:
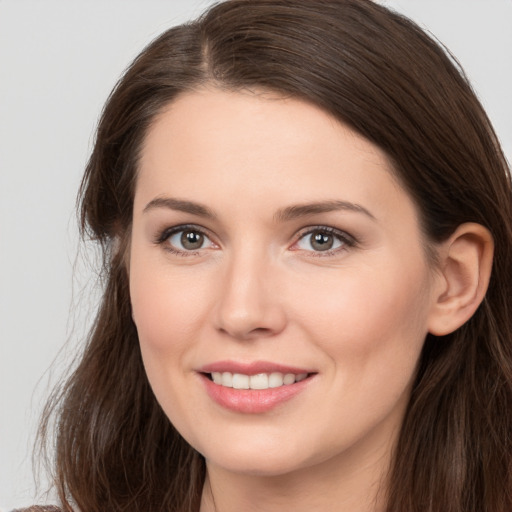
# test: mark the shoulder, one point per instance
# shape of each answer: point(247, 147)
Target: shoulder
point(48, 508)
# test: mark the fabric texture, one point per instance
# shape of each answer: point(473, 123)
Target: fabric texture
point(36, 508)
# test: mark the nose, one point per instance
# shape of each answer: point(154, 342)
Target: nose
point(249, 303)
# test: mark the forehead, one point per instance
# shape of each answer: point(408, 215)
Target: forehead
point(248, 145)
point(245, 119)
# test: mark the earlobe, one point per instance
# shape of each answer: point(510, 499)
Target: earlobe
point(463, 277)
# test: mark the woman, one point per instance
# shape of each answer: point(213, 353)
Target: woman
point(307, 233)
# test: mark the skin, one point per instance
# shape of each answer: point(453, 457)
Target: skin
point(258, 290)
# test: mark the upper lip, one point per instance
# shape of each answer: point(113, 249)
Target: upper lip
point(251, 368)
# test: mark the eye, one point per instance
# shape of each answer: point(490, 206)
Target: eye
point(324, 239)
point(188, 240)
point(183, 239)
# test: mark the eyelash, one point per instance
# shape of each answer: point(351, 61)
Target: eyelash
point(348, 241)
point(164, 236)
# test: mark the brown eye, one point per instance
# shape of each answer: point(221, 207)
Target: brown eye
point(187, 240)
point(323, 239)
point(191, 240)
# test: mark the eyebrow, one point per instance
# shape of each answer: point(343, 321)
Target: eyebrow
point(303, 210)
point(282, 215)
point(180, 205)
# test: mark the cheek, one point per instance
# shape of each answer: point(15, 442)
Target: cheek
point(376, 317)
point(167, 318)
point(165, 305)
point(372, 329)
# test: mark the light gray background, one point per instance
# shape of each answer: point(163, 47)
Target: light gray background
point(58, 62)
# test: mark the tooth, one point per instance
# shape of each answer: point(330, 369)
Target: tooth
point(289, 378)
point(240, 381)
point(227, 379)
point(259, 381)
point(275, 380)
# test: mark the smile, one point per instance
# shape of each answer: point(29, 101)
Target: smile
point(254, 388)
point(258, 381)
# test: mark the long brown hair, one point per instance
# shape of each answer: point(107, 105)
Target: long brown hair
point(380, 74)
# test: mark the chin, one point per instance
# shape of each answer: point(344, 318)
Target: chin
point(266, 459)
point(273, 467)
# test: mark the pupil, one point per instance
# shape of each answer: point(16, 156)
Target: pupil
point(321, 241)
point(192, 240)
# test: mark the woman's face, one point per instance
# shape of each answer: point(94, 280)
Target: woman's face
point(273, 249)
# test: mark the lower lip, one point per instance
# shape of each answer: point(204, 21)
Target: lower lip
point(252, 401)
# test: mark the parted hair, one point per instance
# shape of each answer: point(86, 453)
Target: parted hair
point(381, 75)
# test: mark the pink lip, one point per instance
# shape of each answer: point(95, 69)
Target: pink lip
point(252, 401)
point(252, 368)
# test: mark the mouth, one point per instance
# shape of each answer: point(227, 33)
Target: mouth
point(259, 381)
point(256, 387)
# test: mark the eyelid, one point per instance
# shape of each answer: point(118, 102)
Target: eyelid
point(347, 240)
point(163, 236)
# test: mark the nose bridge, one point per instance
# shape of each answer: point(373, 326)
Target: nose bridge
point(248, 305)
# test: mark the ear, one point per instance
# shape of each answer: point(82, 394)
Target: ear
point(465, 262)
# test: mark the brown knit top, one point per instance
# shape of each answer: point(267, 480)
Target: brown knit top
point(49, 508)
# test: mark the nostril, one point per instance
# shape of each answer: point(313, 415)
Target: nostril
point(262, 330)
point(249, 334)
